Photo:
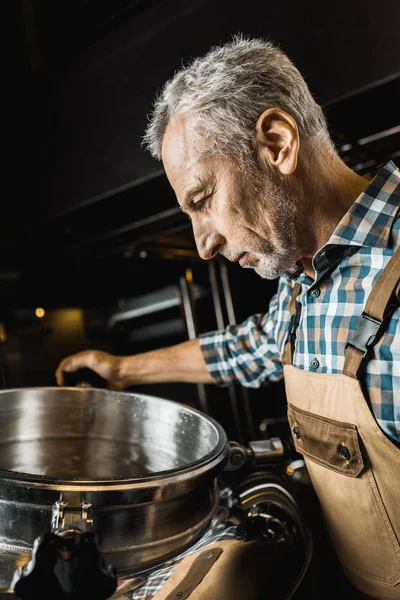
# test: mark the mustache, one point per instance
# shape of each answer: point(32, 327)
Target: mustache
point(234, 255)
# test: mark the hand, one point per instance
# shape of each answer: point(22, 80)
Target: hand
point(106, 365)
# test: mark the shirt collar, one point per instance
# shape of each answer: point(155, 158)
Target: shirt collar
point(370, 219)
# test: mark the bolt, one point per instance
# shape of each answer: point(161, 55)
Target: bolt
point(237, 458)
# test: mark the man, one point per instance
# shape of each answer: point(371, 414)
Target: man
point(247, 151)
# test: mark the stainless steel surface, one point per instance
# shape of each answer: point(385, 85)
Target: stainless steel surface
point(146, 465)
point(96, 434)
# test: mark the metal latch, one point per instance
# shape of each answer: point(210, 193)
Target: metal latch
point(78, 519)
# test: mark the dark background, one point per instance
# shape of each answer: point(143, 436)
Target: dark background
point(89, 222)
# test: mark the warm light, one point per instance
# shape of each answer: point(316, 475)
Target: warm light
point(40, 312)
point(189, 276)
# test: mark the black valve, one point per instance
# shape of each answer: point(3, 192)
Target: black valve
point(92, 578)
point(64, 568)
point(265, 522)
point(38, 576)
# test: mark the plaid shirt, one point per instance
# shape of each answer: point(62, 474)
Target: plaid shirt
point(346, 267)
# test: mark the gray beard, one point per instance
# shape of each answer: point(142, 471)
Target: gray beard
point(280, 255)
point(276, 264)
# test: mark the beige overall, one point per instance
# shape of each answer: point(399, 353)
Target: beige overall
point(354, 468)
point(355, 471)
point(228, 570)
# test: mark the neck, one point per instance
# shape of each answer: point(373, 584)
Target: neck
point(327, 197)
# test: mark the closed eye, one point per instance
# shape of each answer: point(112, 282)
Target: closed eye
point(204, 203)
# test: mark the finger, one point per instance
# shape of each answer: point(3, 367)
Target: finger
point(70, 364)
point(60, 372)
point(59, 376)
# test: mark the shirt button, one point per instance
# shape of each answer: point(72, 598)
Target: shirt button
point(344, 452)
point(315, 292)
point(314, 364)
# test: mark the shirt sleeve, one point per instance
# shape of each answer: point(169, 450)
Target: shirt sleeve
point(247, 353)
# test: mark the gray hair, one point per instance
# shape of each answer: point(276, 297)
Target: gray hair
point(222, 94)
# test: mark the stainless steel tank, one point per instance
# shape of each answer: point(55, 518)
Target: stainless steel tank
point(138, 470)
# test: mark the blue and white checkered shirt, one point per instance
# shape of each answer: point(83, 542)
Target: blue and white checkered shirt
point(346, 267)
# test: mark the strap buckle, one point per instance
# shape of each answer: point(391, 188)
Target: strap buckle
point(365, 334)
point(293, 324)
point(369, 330)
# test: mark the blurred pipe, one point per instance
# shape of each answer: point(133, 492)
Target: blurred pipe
point(220, 324)
point(3, 339)
point(215, 295)
point(232, 321)
point(188, 300)
point(227, 293)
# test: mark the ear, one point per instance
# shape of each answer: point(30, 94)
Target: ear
point(277, 140)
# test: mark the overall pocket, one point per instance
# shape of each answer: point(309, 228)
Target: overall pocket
point(349, 496)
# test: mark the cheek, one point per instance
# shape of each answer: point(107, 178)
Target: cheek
point(246, 217)
point(237, 213)
point(233, 212)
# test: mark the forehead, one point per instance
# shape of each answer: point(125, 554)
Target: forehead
point(185, 168)
point(177, 151)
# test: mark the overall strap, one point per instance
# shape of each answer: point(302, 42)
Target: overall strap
point(382, 301)
point(295, 309)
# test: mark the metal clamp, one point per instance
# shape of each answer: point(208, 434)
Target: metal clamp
point(260, 452)
point(66, 520)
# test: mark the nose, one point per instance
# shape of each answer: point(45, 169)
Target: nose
point(209, 245)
